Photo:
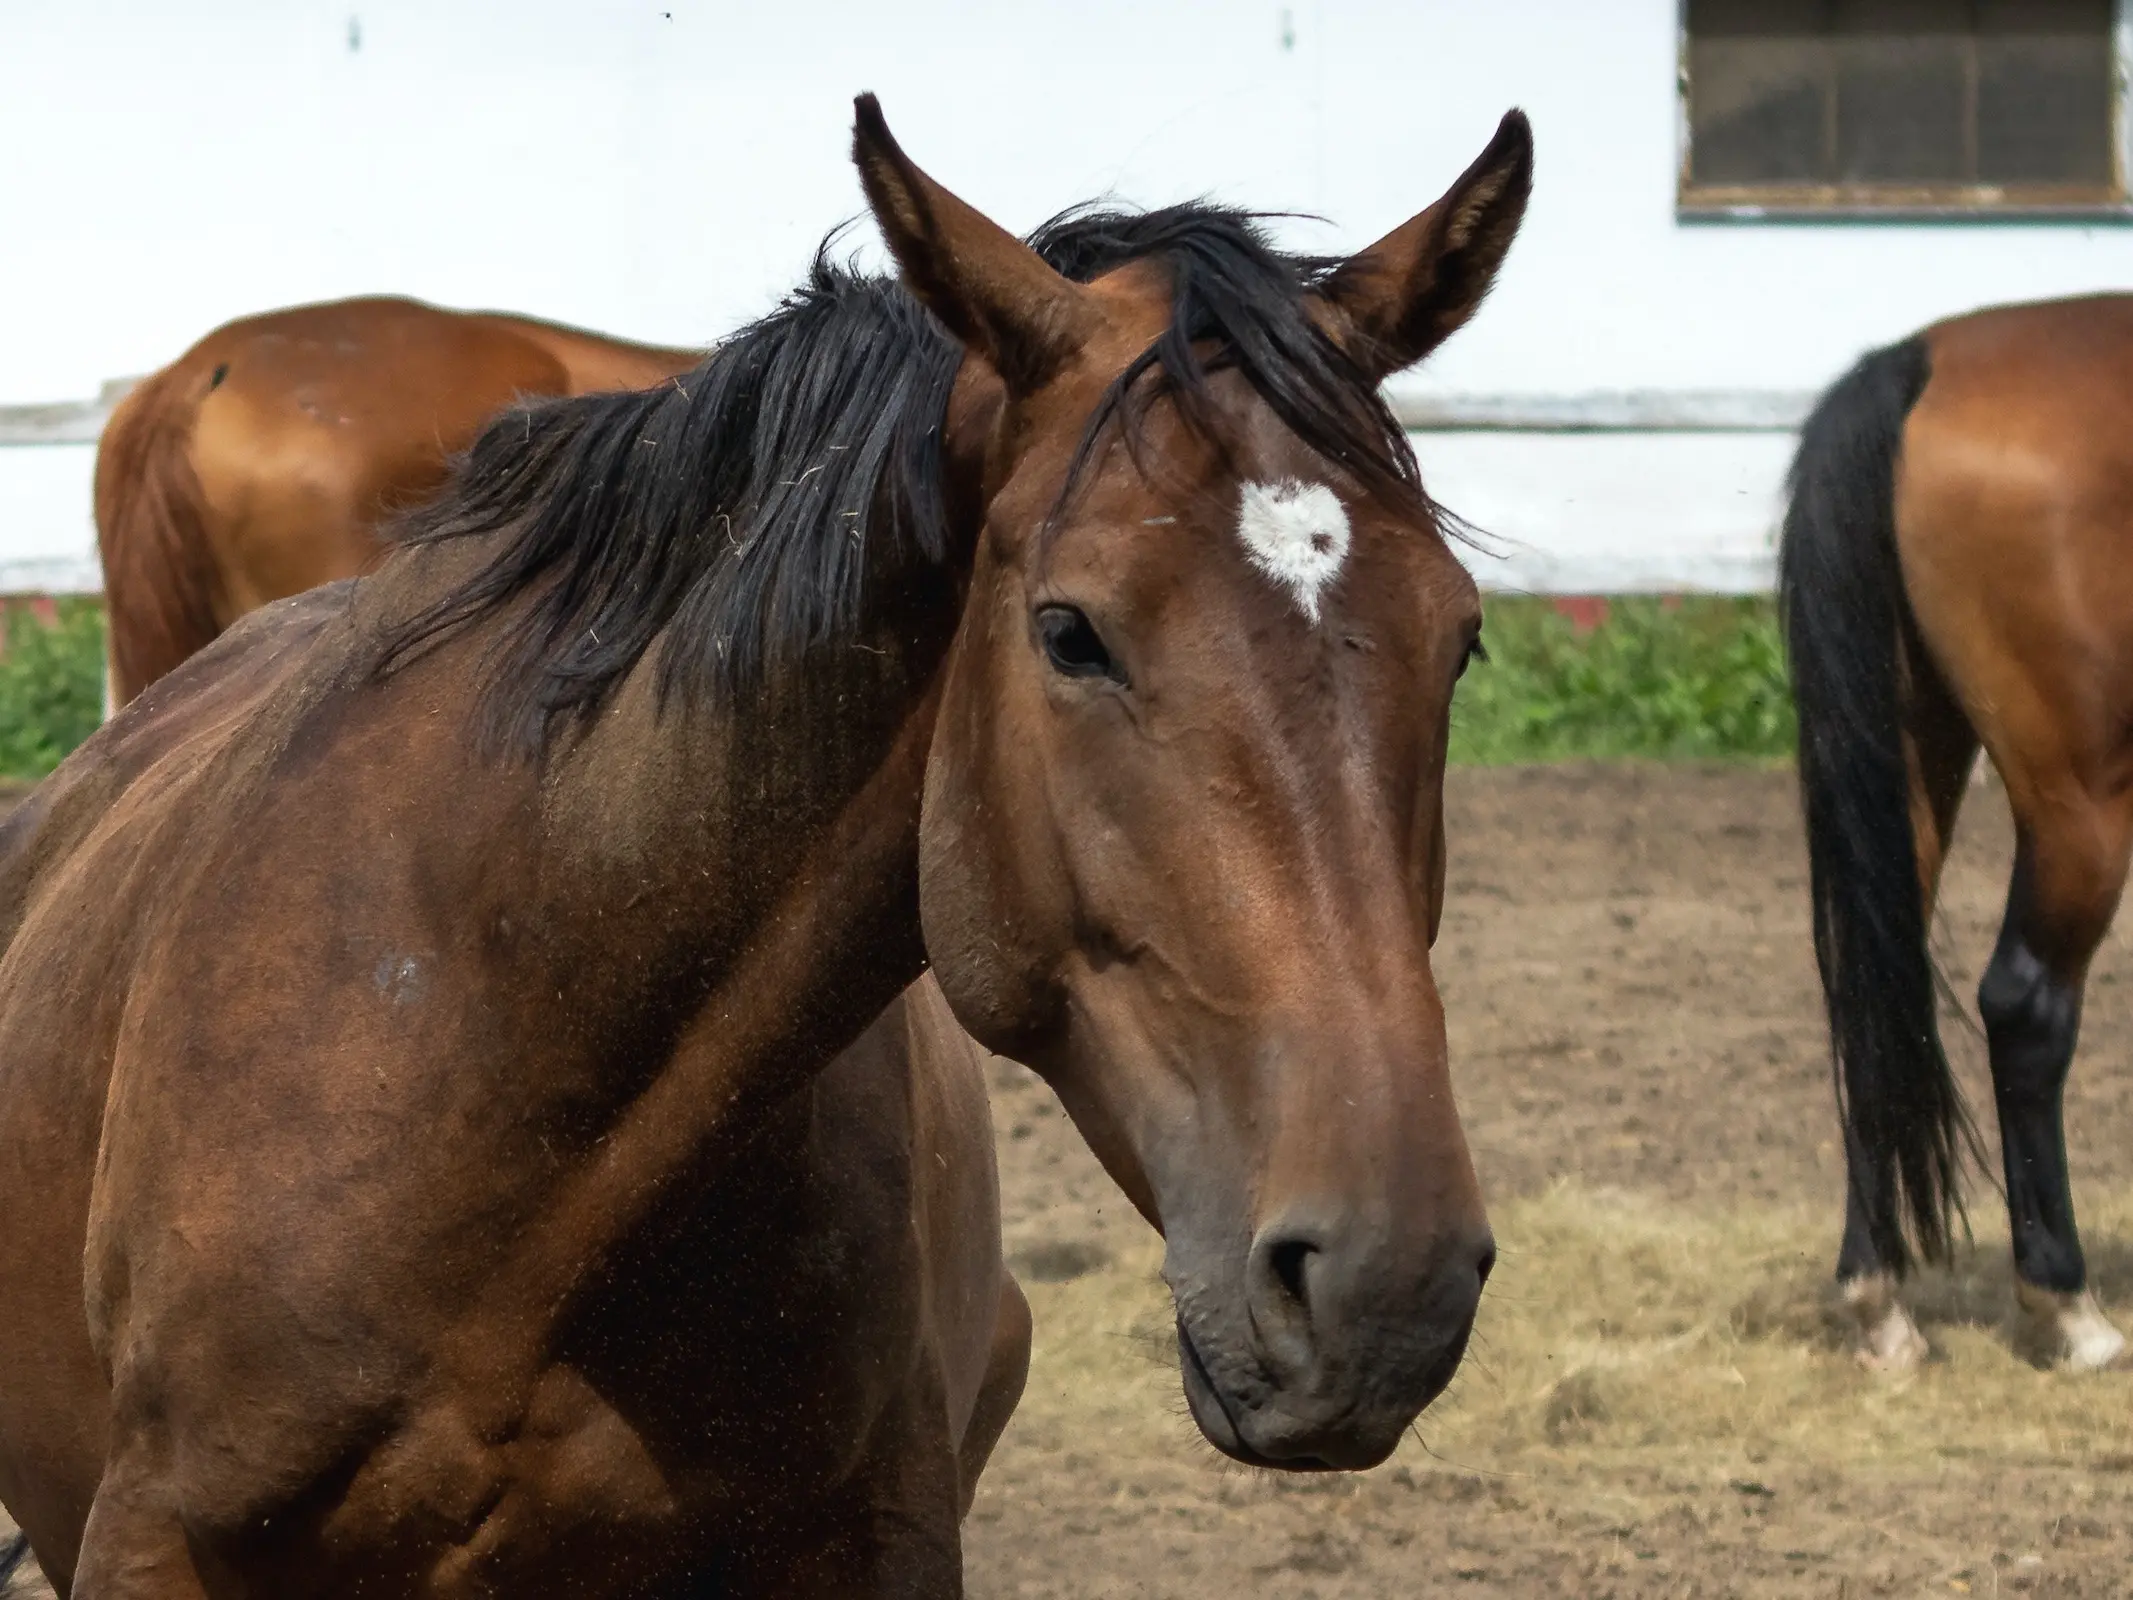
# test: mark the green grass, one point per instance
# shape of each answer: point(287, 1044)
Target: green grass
point(1691, 678)
point(51, 682)
point(1688, 679)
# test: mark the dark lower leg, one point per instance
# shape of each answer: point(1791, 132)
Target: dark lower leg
point(1887, 1339)
point(2032, 1016)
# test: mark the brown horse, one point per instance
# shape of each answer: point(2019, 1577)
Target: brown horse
point(406, 385)
point(1953, 574)
point(404, 1042)
point(262, 461)
point(884, 1159)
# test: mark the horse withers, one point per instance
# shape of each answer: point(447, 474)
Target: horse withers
point(1953, 575)
point(382, 1062)
point(271, 456)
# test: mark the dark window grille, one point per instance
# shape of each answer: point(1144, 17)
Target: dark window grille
point(1904, 104)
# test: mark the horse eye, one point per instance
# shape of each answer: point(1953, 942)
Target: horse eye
point(1072, 645)
point(1477, 651)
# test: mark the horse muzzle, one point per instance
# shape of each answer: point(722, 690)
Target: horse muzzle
point(1327, 1366)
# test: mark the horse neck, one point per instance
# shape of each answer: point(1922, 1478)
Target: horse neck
point(753, 875)
point(710, 820)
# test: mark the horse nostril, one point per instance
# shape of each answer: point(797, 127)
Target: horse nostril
point(1484, 1264)
point(1287, 1260)
point(1284, 1262)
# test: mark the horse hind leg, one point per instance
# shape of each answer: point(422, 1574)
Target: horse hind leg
point(1884, 1338)
point(2066, 885)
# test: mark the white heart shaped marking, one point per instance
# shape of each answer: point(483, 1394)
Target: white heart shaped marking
point(1295, 533)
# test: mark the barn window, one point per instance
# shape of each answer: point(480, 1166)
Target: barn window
point(1935, 107)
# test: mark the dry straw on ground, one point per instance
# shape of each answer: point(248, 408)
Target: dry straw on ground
point(1619, 1328)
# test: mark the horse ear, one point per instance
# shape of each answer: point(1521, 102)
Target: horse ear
point(1418, 285)
point(995, 293)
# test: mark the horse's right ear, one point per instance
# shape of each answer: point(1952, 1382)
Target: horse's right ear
point(995, 294)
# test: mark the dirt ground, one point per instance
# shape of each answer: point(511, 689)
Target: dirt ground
point(1656, 1402)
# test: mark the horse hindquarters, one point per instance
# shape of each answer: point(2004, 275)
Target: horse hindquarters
point(2007, 529)
point(2013, 529)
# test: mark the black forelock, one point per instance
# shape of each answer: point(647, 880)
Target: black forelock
point(1237, 303)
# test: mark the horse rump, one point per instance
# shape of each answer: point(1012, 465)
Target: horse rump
point(1849, 634)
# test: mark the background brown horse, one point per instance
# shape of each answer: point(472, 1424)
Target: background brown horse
point(262, 461)
point(1957, 570)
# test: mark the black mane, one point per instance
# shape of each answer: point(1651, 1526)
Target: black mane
point(736, 510)
point(732, 508)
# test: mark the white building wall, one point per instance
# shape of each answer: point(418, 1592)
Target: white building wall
point(663, 169)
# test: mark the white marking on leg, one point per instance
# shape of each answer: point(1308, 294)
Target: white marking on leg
point(2073, 1327)
point(1295, 533)
point(1889, 1341)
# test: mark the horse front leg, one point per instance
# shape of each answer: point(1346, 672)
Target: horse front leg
point(889, 1532)
point(134, 1547)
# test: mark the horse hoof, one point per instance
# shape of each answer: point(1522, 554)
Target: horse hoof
point(2070, 1329)
point(1888, 1340)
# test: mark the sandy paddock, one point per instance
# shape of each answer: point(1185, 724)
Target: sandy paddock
point(1656, 1402)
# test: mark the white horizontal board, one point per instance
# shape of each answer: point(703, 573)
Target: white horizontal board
point(1419, 411)
point(1614, 513)
point(47, 529)
point(62, 421)
point(1562, 512)
point(1603, 411)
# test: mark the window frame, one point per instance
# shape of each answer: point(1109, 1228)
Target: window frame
point(1913, 202)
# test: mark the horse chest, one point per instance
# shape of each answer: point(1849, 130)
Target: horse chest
point(723, 1388)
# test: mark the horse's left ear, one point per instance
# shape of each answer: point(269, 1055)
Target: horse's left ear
point(1418, 285)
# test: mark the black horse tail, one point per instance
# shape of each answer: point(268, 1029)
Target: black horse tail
point(1848, 624)
point(12, 1555)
